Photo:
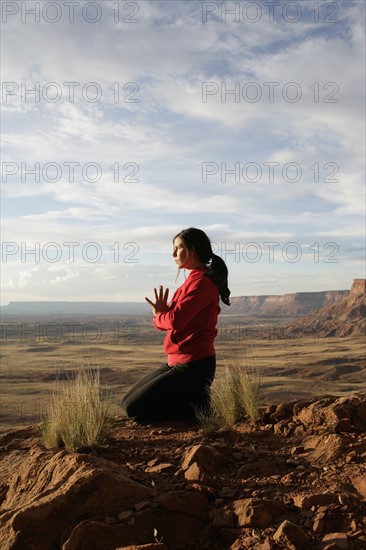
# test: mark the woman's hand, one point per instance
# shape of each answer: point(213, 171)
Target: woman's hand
point(161, 303)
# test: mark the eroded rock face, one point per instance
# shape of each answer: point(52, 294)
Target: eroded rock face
point(290, 535)
point(257, 512)
point(286, 305)
point(59, 490)
point(358, 287)
point(295, 481)
point(328, 414)
point(346, 317)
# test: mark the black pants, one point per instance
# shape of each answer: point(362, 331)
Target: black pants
point(171, 393)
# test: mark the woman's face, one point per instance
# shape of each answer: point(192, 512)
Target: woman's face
point(180, 253)
point(183, 257)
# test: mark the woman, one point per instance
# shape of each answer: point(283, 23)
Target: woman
point(180, 387)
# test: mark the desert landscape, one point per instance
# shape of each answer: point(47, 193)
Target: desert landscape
point(290, 368)
point(295, 479)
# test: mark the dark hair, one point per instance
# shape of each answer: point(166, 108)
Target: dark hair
point(197, 240)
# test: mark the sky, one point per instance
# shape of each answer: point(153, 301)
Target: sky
point(124, 122)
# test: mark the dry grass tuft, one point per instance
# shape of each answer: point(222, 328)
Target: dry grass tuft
point(247, 380)
point(234, 397)
point(78, 416)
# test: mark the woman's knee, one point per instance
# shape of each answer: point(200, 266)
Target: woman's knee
point(129, 408)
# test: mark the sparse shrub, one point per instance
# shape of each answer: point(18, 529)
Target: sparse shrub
point(248, 393)
point(77, 417)
point(233, 397)
point(207, 420)
point(223, 410)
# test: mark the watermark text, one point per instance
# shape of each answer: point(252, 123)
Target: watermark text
point(270, 92)
point(119, 11)
point(254, 11)
point(72, 251)
point(71, 171)
point(268, 172)
point(53, 92)
point(291, 252)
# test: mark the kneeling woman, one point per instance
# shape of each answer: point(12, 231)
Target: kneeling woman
point(181, 386)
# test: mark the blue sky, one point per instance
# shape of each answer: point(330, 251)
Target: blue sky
point(249, 126)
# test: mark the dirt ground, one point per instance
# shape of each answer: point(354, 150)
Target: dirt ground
point(296, 480)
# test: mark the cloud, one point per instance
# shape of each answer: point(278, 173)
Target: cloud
point(152, 125)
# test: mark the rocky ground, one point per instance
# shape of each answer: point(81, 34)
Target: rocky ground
point(295, 481)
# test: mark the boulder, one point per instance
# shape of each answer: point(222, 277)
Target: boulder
point(328, 412)
point(60, 489)
point(152, 546)
point(305, 502)
point(337, 541)
point(205, 456)
point(290, 535)
point(326, 448)
point(171, 528)
point(253, 512)
point(187, 502)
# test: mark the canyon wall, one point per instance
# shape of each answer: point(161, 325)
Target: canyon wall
point(344, 318)
point(286, 305)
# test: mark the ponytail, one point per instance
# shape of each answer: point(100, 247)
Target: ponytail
point(218, 273)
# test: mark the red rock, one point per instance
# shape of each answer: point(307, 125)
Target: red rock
point(203, 489)
point(58, 489)
point(351, 456)
point(359, 482)
point(257, 512)
point(206, 456)
point(158, 468)
point(190, 503)
point(344, 425)
point(247, 543)
point(55, 499)
point(359, 416)
point(305, 502)
point(338, 540)
point(196, 473)
point(318, 525)
point(152, 546)
point(223, 517)
point(142, 505)
point(331, 518)
point(291, 535)
point(171, 528)
point(326, 448)
point(283, 412)
point(200, 461)
point(260, 468)
point(297, 450)
point(328, 412)
point(124, 516)
point(350, 500)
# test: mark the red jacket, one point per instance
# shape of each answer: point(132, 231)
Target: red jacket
point(191, 319)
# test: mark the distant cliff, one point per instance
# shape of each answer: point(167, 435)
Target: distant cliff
point(267, 306)
point(358, 287)
point(344, 318)
point(286, 305)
